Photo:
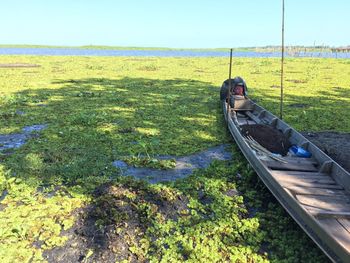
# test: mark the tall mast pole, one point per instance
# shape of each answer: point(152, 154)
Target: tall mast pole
point(282, 62)
point(229, 85)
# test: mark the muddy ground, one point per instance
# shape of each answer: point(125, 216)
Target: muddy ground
point(334, 144)
point(112, 227)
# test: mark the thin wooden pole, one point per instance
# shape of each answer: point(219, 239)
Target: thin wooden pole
point(229, 85)
point(282, 62)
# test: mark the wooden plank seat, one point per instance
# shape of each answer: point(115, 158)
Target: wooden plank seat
point(319, 213)
point(299, 160)
point(315, 180)
point(323, 204)
point(316, 191)
point(276, 165)
point(322, 185)
point(242, 104)
point(297, 175)
point(253, 117)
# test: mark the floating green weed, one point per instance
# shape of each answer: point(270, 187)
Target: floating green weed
point(99, 109)
point(150, 162)
point(29, 217)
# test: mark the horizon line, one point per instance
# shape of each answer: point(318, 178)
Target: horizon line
point(173, 48)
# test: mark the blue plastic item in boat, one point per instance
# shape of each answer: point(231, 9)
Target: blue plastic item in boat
point(299, 151)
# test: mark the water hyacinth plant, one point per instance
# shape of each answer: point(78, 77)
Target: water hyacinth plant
point(101, 109)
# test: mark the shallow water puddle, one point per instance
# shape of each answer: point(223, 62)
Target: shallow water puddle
point(16, 140)
point(184, 165)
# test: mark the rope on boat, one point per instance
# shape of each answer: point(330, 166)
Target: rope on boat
point(255, 145)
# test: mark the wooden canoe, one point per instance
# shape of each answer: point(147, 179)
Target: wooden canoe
point(315, 191)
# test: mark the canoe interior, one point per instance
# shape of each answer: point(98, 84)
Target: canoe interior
point(315, 191)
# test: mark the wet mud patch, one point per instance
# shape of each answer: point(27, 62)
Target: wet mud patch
point(184, 165)
point(112, 228)
point(271, 139)
point(16, 140)
point(334, 144)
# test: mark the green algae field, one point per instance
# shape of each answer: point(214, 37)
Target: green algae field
point(62, 200)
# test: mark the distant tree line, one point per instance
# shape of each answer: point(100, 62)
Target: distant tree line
point(300, 48)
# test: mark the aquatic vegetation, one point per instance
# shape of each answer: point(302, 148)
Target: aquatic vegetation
point(150, 162)
point(101, 109)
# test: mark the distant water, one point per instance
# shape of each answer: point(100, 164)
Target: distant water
point(158, 53)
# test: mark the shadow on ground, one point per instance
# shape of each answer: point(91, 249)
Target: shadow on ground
point(92, 122)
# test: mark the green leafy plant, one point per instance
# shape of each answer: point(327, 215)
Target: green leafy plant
point(101, 109)
point(150, 162)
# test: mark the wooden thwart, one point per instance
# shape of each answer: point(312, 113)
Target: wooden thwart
point(242, 121)
point(242, 104)
point(283, 175)
point(298, 173)
point(288, 184)
point(319, 213)
point(243, 109)
point(291, 166)
point(253, 117)
point(300, 160)
point(316, 191)
point(310, 181)
point(328, 203)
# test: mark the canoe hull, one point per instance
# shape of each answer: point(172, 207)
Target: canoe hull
point(308, 222)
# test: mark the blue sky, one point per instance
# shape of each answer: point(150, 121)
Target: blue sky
point(180, 23)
